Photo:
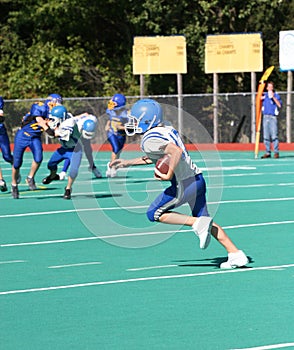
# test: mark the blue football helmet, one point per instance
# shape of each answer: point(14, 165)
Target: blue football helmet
point(116, 102)
point(53, 100)
point(57, 115)
point(145, 114)
point(89, 129)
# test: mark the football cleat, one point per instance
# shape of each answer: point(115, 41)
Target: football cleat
point(31, 182)
point(14, 192)
point(237, 259)
point(67, 193)
point(47, 180)
point(110, 172)
point(96, 172)
point(3, 185)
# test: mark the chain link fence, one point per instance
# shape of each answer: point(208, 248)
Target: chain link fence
point(234, 114)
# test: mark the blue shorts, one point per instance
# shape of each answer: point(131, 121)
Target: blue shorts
point(117, 141)
point(23, 140)
point(191, 191)
point(73, 155)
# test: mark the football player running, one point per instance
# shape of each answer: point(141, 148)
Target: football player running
point(29, 135)
point(66, 130)
point(187, 182)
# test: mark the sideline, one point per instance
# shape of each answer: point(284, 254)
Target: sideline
point(190, 147)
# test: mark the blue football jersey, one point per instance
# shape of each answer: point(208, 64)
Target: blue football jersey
point(117, 120)
point(29, 122)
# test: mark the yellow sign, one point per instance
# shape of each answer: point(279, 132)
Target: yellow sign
point(159, 55)
point(233, 53)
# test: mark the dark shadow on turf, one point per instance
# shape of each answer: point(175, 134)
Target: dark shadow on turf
point(98, 196)
point(142, 181)
point(108, 195)
point(213, 262)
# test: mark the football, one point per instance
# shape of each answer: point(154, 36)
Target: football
point(162, 165)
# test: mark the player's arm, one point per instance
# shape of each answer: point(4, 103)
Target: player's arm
point(43, 123)
point(277, 101)
point(85, 114)
point(125, 163)
point(107, 126)
point(65, 129)
point(175, 153)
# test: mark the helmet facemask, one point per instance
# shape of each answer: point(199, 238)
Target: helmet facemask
point(137, 125)
point(54, 122)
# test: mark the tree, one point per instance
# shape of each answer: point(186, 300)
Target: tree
point(84, 47)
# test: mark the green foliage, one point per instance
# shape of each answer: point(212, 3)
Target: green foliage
point(84, 47)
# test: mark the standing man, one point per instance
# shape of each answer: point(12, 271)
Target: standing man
point(4, 145)
point(187, 182)
point(271, 106)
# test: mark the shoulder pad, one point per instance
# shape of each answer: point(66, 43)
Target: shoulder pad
point(39, 109)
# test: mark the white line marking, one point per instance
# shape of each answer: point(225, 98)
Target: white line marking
point(141, 279)
point(260, 224)
point(258, 174)
point(11, 262)
point(151, 267)
point(267, 347)
point(217, 168)
point(74, 265)
point(70, 211)
point(140, 207)
point(253, 200)
point(135, 234)
point(91, 238)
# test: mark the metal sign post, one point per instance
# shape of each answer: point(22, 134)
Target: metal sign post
point(232, 53)
point(161, 55)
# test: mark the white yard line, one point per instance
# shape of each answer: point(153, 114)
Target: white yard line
point(140, 207)
point(268, 347)
point(135, 234)
point(12, 262)
point(140, 279)
point(151, 267)
point(75, 265)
